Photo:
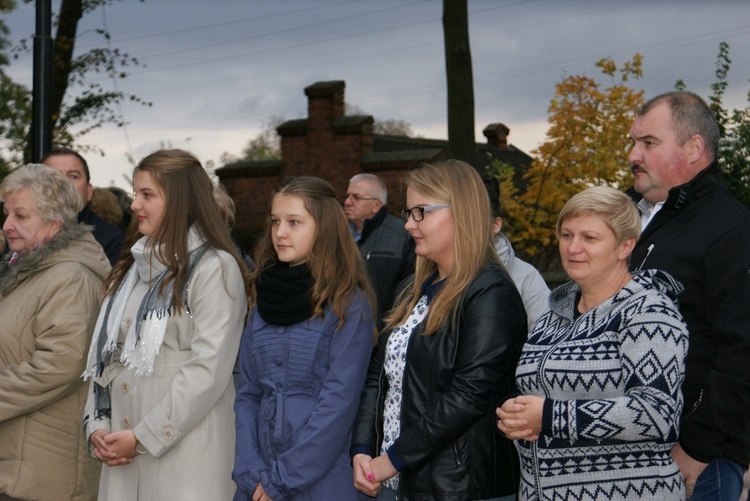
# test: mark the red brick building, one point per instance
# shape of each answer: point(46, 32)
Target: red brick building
point(334, 146)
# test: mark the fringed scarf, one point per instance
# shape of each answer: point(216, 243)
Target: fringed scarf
point(145, 336)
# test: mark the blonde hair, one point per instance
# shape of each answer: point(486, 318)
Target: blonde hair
point(334, 261)
point(612, 206)
point(458, 184)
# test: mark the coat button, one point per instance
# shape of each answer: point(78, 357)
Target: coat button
point(128, 321)
point(125, 387)
point(280, 330)
point(168, 434)
point(126, 422)
point(277, 360)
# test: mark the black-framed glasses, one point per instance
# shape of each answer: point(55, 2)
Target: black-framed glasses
point(357, 198)
point(417, 213)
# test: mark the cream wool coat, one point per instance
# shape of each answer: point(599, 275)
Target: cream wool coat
point(49, 301)
point(182, 412)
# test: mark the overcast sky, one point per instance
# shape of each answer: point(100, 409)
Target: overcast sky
point(216, 71)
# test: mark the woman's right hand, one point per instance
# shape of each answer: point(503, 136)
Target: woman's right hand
point(513, 422)
point(260, 494)
point(102, 452)
point(364, 478)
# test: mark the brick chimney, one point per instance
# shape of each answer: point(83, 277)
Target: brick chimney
point(325, 103)
point(497, 135)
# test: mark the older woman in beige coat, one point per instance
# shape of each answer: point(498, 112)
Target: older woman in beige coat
point(50, 291)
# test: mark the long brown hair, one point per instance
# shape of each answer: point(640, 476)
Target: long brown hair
point(334, 261)
point(189, 200)
point(458, 184)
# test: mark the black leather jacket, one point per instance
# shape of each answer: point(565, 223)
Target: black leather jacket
point(453, 380)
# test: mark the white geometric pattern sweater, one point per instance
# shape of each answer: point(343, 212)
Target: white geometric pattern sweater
point(611, 380)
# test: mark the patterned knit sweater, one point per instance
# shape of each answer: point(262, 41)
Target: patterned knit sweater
point(611, 380)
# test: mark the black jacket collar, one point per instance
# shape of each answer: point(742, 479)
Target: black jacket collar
point(707, 181)
point(370, 224)
point(679, 197)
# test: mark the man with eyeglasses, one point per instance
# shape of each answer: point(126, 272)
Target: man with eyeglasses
point(385, 245)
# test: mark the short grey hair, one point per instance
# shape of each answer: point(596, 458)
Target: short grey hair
point(53, 194)
point(690, 115)
point(378, 187)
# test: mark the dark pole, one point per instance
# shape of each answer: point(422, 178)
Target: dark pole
point(459, 79)
point(41, 120)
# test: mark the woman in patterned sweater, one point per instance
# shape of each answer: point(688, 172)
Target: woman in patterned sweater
point(600, 375)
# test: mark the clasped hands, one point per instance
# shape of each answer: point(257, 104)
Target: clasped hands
point(114, 449)
point(520, 418)
point(369, 473)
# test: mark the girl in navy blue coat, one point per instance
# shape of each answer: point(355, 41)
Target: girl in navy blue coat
point(304, 352)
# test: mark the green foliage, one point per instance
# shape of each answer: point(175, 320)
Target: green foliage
point(723, 64)
point(735, 154)
point(94, 105)
point(267, 144)
point(734, 125)
point(392, 127)
point(6, 6)
point(15, 117)
point(386, 127)
point(83, 104)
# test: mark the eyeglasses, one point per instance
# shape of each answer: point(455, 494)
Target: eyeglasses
point(357, 198)
point(417, 213)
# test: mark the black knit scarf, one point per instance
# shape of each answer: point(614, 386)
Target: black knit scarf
point(283, 294)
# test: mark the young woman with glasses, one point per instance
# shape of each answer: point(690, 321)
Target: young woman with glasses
point(425, 426)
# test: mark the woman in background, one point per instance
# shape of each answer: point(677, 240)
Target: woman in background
point(529, 282)
point(600, 375)
point(159, 412)
point(426, 426)
point(50, 292)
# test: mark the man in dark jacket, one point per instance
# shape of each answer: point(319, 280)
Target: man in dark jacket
point(387, 248)
point(695, 230)
point(73, 165)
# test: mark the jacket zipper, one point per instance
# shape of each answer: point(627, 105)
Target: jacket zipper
point(455, 454)
point(543, 386)
point(696, 404)
point(537, 480)
point(400, 490)
point(648, 252)
point(378, 443)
